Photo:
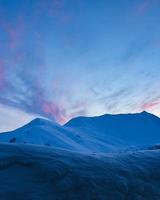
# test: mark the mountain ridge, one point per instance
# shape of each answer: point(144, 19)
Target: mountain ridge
point(106, 133)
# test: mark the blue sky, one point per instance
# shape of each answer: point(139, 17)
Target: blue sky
point(64, 58)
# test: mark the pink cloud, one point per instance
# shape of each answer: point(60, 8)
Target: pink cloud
point(53, 110)
point(150, 105)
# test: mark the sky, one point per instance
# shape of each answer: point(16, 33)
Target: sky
point(61, 59)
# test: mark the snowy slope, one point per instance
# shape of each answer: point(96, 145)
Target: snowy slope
point(107, 133)
point(45, 132)
point(40, 173)
point(74, 161)
point(134, 129)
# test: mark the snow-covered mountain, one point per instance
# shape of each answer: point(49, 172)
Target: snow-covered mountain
point(133, 129)
point(45, 132)
point(89, 157)
point(107, 133)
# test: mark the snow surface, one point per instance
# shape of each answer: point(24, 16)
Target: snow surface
point(107, 133)
point(29, 172)
point(110, 157)
point(133, 129)
point(45, 132)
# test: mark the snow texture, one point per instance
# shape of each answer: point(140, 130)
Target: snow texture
point(107, 133)
point(110, 157)
point(29, 172)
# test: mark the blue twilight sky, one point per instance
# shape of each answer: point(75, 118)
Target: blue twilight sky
point(64, 58)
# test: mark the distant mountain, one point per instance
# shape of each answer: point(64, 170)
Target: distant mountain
point(133, 129)
point(94, 157)
point(107, 133)
point(41, 132)
point(48, 133)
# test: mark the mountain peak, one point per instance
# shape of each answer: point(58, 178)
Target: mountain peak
point(145, 112)
point(41, 121)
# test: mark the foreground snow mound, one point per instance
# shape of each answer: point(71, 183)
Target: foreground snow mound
point(133, 129)
point(40, 173)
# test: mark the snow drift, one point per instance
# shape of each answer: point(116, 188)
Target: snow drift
point(40, 173)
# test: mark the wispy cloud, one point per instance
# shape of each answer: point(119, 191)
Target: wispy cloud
point(29, 80)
